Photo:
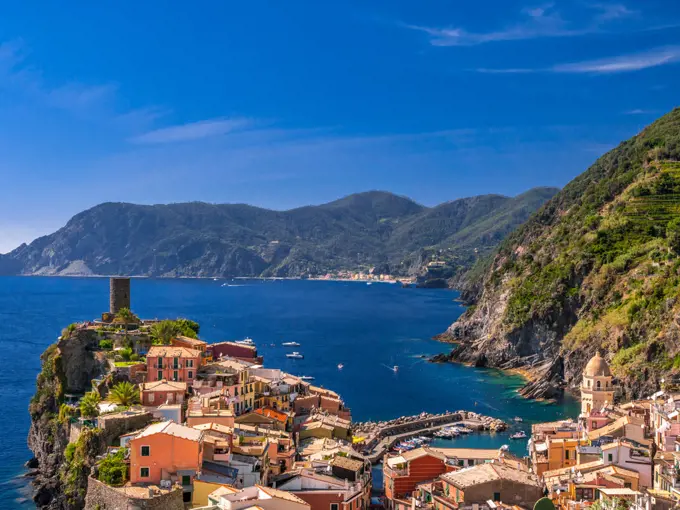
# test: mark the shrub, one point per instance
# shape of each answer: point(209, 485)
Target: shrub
point(106, 344)
point(112, 469)
point(134, 357)
point(126, 353)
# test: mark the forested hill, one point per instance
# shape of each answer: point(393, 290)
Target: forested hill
point(597, 267)
point(372, 229)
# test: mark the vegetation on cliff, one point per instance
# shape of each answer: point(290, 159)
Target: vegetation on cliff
point(597, 267)
point(373, 229)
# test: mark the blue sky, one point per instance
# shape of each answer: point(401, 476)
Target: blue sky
point(281, 104)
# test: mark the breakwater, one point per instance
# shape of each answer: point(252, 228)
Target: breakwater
point(379, 437)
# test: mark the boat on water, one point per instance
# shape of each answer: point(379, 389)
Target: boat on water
point(369, 283)
point(518, 419)
point(290, 344)
point(518, 435)
point(307, 377)
point(448, 432)
point(245, 341)
point(340, 366)
point(395, 368)
point(294, 355)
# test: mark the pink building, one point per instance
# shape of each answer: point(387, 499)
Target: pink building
point(162, 392)
point(172, 363)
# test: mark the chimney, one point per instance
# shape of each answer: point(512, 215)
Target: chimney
point(119, 294)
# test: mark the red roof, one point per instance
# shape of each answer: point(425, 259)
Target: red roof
point(272, 413)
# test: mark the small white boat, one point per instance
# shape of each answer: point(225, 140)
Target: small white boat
point(517, 419)
point(306, 377)
point(340, 366)
point(215, 279)
point(519, 435)
point(395, 368)
point(245, 341)
point(294, 355)
point(369, 283)
point(290, 344)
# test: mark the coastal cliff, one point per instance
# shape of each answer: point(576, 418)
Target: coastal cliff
point(68, 366)
point(596, 268)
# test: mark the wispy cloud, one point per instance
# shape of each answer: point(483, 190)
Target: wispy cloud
point(618, 64)
point(638, 111)
point(623, 63)
point(535, 22)
point(193, 131)
point(90, 101)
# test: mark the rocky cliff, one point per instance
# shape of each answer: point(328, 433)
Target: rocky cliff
point(67, 367)
point(596, 267)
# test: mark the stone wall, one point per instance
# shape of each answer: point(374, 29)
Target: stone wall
point(119, 294)
point(115, 425)
point(102, 497)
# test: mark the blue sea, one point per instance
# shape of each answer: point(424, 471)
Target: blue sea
point(368, 328)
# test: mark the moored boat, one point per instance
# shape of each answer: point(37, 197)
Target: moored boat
point(294, 355)
point(307, 377)
point(518, 435)
point(290, 344)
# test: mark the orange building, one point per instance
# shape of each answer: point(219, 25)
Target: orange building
point(166, 451)
point(172, 363)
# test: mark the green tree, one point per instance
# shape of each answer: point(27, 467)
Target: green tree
point(126, 353)
point(125, 315)
point(89, 403)
point(112, 470)
point(124, 394)
point(162, 332)
point(673, 234)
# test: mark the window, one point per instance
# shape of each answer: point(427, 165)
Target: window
point(144, 472)
point(160, 375)
point(190, 363)
point(191, 374)
point(160, 362)
point(471, 462)
point(146, 451)
point(598, 385)
point(175, 362)
point(335, 506)
point(151, 397)
point(461, 463)
point(566, 454)
point(496, 496)
point(174, 375)
point(186, 480)
point(610, 457)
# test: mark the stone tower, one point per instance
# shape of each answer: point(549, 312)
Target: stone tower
point(119, 294)
point(596, 389)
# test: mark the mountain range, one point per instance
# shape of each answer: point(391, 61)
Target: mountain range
point(376, 229)
point(597, 268)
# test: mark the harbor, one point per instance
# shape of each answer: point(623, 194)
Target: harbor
point(407, 432)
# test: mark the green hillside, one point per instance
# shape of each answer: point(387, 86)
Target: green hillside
point(596, 267)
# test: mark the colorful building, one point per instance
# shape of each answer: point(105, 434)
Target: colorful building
point(172, 363)
point(166, 451)
point(162, 392)
point(193, 343)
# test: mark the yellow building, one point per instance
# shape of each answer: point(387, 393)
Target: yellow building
point(561, 452)
point(596, 389)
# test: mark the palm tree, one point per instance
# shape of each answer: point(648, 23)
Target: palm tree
point(162, 332)
point(124, 394)
point(89, 405)
point(126, 315)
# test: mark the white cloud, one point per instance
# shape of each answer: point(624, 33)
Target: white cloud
point(618, 64)
point(536, 22)
point(193, 131)
point(623, 63)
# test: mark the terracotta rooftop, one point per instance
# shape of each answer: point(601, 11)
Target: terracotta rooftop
point(192, 341)
point(172, 351)
point(172, 429)
point(164, 385)
point(272, 413)
point(347, 463)
point(616, 425)
point(277, 493)
point(490, 472)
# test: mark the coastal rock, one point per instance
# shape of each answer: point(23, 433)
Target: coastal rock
point(67, 367)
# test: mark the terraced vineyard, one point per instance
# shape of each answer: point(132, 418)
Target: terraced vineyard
point(657, 200)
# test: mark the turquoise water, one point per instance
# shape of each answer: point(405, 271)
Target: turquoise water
point(367, 328)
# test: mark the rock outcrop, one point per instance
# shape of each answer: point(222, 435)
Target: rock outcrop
point(67, 367)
